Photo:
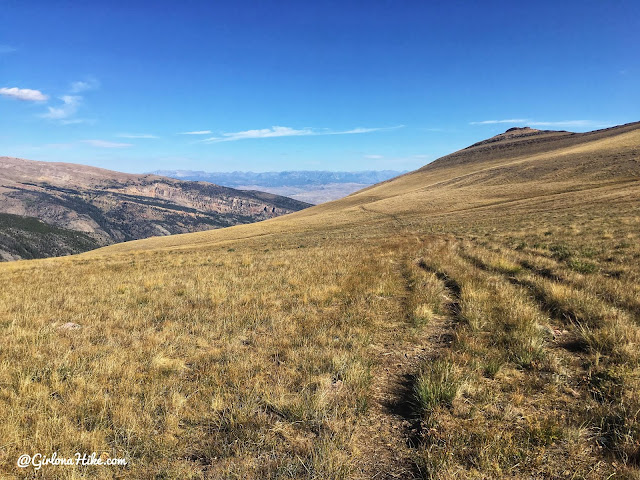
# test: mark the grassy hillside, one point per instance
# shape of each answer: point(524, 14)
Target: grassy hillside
point(477, 318)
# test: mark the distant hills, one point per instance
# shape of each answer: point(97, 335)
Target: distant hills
point(292, 178)
point(61, 208)
point(312, 186)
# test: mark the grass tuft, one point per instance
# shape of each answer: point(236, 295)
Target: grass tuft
point(436, 385)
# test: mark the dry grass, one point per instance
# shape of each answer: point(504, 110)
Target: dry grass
point(523, 402)
point(234, 363)
point(258, 351)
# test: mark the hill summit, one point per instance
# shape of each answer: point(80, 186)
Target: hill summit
point(515, 133)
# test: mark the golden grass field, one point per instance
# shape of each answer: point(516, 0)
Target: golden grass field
point(477, 318)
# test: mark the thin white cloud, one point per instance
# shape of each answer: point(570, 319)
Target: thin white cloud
point(534, 123)
point(70, 105)
point(493, 122)
point(61, 146)
point(362, 130)
point(7, 49)
point(373, 157)
point(566, 123)
point(197, 132)
point(76, 121)
point(64, 113)
point(277, 131)
point(25, 94)
point(137, 135)
point(106, 144)
point(260, 133)
point(83, 86)
point(93, 143)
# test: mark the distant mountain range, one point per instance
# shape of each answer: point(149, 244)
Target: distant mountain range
point(61, 208)
point(312, 186)
point(291, 178)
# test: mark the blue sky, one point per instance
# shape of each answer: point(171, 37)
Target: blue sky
point(219, 86)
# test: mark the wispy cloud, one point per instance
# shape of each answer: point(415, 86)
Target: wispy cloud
point(70, 105)
point(260, 133)
point(567, 123)
point(84, 85)
point(7, 49)
point(277, 131)
point(92, 143)
point(492, 122)
point(58, 146)
point(76, 121)
point(359, 130)
point(373, 157)
point(25, 94)
point(64, 113)
point(137, 135)
point(106, 144)
point(197, 132)
point(535, 123)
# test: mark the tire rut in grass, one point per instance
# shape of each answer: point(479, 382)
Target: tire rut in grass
point(560, 315)
point(565, 341)
point(438, 336)
point(631, 306)
point(395, 426)
point(453, 287)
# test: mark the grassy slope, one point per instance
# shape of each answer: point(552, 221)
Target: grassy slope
point(476, 318)
point(469, 182)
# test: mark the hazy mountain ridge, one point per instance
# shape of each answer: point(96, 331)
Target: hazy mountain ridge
point(312, 186)
point(111, 207)
point(289, 178)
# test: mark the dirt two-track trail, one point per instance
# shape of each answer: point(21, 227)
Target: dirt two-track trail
point(394, 428)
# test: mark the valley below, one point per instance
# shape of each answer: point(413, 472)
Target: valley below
point(96, 207)
point(313, 186)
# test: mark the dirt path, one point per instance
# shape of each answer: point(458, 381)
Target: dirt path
point(393, 427)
